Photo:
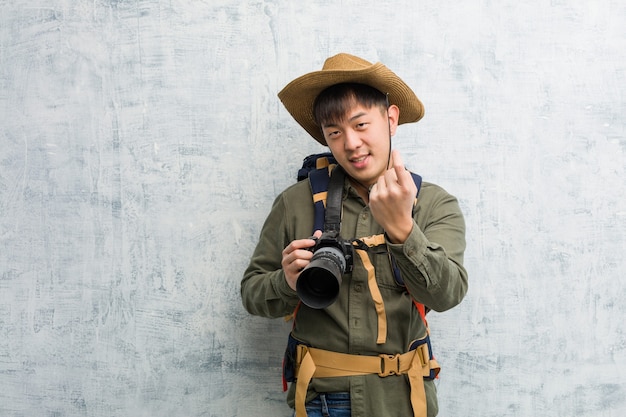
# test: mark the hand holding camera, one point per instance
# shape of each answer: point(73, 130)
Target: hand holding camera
point(319, 282)
point(296, 256)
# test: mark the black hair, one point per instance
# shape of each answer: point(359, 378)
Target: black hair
point(332, 104)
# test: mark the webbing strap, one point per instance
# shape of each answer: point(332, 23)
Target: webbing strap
point(376, 296)
point(371, 241)
point(305, 374)
point(320, 197)
point(377, 240)
point(318, 363)
point(323, 161)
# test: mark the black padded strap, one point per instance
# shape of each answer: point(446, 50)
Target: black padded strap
point(332, 221)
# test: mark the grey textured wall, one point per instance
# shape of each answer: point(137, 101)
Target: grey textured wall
point(142, 144)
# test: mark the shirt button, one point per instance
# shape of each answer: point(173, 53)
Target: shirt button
point(358, 288)
point(364, 216)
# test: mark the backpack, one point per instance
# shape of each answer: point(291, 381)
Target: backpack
point(317, 169)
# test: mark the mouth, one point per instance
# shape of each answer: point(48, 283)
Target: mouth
point(359, 159)
point(360, 162)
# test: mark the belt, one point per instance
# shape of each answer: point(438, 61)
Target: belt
point(319, 363)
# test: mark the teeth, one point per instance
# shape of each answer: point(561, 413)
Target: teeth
point(361, 159)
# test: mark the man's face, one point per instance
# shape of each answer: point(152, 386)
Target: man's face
point(360, 142)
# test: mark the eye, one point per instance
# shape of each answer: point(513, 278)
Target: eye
point(332, 134)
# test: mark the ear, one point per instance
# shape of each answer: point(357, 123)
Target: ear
point(393, 113)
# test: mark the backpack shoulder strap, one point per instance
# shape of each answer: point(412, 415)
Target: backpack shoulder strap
point(314, 162)
point(318, 181)
point(418, 183)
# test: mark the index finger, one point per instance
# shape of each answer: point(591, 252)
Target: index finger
point(299, 244)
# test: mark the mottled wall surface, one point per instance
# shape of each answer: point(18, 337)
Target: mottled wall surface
point(142, 144)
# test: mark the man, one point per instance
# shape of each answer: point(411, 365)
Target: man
point(368, 352)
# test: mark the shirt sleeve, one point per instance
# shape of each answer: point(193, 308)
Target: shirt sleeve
point(431, 259)
point(264, 289)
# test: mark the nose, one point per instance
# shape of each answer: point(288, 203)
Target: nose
point(352, 139)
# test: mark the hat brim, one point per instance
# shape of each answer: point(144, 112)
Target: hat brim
point(299, 95)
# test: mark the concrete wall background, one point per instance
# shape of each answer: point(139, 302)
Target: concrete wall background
point(143, 143)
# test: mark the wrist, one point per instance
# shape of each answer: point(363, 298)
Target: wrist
point(400, 234)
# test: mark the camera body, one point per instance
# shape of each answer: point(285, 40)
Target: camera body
point(319, 282)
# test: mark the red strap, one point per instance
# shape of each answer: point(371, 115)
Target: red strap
point(422, 310)
point(285, 386)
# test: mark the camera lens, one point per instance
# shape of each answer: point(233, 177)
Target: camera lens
point(318, 284)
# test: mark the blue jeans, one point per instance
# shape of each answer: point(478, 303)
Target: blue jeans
point(333, 404)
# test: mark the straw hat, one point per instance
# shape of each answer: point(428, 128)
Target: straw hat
point(300, 94)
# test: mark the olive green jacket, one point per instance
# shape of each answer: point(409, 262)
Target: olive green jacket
point(431, 263)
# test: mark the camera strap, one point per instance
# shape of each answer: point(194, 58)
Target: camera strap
point(332, 219)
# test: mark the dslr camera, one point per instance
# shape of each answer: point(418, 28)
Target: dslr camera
point(319, 282)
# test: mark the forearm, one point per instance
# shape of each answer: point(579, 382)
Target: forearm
point(431, 260)
point(431, 277)
point(264, 290)
point(267, 293)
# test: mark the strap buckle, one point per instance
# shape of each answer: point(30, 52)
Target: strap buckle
point(423, 354)
point(389, 365)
